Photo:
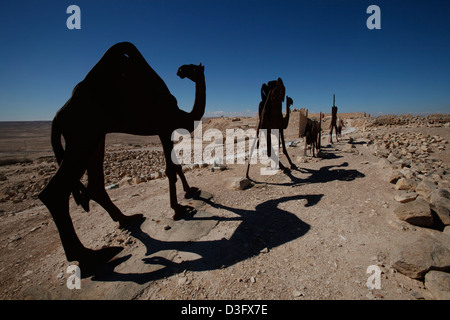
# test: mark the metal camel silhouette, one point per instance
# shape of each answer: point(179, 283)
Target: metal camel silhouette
point(121, 93)
point(333, 122)
point(271, 117)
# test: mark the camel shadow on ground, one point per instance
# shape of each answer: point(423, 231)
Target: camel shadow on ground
point(322, 175)
point(260, 230)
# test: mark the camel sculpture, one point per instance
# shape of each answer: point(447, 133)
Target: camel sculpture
point(339, 125)
point(312, 135)
point(333, 122)
point(271, 117)
point(121, 93)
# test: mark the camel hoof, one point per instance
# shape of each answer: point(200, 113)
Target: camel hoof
point(192, 193)
point(127, 221)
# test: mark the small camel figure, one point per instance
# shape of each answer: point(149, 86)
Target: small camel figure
point(312, 135)
point(333, 122)
point(121, 93)
point(271, 117)
point(340, 125)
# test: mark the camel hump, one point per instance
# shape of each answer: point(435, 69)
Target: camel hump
point(123, 68)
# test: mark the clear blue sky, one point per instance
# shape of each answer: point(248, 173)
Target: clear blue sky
point(317, 47)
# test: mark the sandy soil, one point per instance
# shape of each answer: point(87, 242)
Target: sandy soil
point(308, 234)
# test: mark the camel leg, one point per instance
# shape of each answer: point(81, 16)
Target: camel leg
point(171, 172)
point(331, 134)
point(283, 144)
point(190, 192)
point(306, 145)
point(251, 152)
point(56, 197)
point(96, 188)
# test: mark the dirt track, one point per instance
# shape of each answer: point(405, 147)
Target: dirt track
point(309, 234)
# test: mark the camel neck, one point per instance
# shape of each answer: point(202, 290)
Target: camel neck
point(200, 99)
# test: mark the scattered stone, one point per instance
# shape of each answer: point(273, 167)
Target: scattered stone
point(239, 183)
point(297, 293)
point(415, 259)
point(416, 212)
point(438, 283)
point(302, 159)
point(425, 188)
point(440, 201)
point(395, 176)
point(350, 148)
point(403, 184)
point(125, 181)
point(404, 197)
point(112, 186)
point(218, 167)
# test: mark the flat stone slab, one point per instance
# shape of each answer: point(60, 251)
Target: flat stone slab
point(416, 212)
point(438, 283)
point(431, 252)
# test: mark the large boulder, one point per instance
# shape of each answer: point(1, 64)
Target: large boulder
point(416, 212)
point(440, 201)
point(425, 188)
point(430, 252)
point(438, 283)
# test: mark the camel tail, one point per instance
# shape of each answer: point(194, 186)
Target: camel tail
point(56, 142)
point(79, 190)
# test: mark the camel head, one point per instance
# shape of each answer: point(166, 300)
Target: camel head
point(289, 101)
point(191, 71)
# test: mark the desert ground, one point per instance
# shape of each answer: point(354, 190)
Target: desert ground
point(307, 234)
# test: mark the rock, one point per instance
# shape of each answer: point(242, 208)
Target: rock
point(297, 293)
point(438, 283)
point(404, 197)
point(415, 259)
point(218, 167)
point(382, 153)
point(384, 163)
point(302, 159)
point(3, 177)
point(395, 176)
point(403, 184)
point(137, 180)
point(350, 148)
point(446, 230)
point(238, 183)
point(440, 201)
point(112, 186)
point(425, 187)
point(416, 212)
point(125, 181)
